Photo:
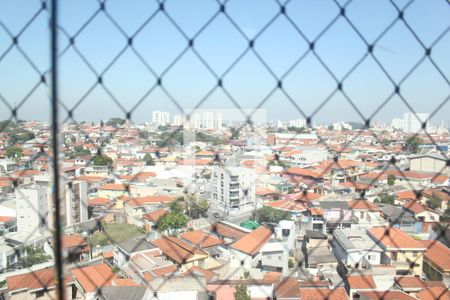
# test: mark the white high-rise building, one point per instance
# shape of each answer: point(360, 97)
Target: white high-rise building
point(297, 123)
point(205, 120)
point(397, 123)
point(234, 192)
point(160, 117)
point(177, 120)
point(411, 122)
point(76, 202)
point(32, 208)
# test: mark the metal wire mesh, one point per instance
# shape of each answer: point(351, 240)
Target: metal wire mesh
point(113, 62)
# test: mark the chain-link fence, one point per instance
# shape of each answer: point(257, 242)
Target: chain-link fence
point(99, 202)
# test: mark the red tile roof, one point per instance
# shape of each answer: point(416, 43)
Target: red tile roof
point(227, 231)
point(287, 205)
point(252, 242)
point(433, 293)
point(438, 254)
point(361, 282)
point(207, 273)
point(155, 215)
point(387, 295)
point(35, 280)
point(92, 277)
point(150, 199)
point(323, 293)
point(363, 205)
point(177, 250)
point(394, 238)
point(303, 172)
point(201, 238)
point(114, 187)
point(99, 201)
point(73, 240)
point(287, 288)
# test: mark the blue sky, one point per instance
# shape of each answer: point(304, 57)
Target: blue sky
point(308, 84)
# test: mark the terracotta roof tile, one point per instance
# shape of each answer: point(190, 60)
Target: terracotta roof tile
point(438, 254)
point(387, 295)
point(227, 231)
point(252, 242)
point(92, 277)
point(322, 293)
point(155, 215)
point(201, 239)
point(361, 282)
point(35, 280)
point(394, 238)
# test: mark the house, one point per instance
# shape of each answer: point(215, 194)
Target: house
point(384, 295)
point(39, 284)
point(425, 216)
point(365, 214)
point(246, 251)
point(182, 253)
point(89, 279)
point(322, 293)
point(430, 162)
point(227, 232)
point(151, 219)
point(74, 247)
point(125, 250)
point(443, 194)
point(316, 254)
point(135, 208)
point(201, 239)
point(355, 249)
point(287, 289)
point(356, 284)
point(436, 262)
point(113, 190)
point(399, 218)
point(399, 250)
point(337, 214)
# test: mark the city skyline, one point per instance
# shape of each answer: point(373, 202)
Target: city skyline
point(248, 82)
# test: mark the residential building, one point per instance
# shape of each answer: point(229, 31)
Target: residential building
point(160, 118)
point(245, 252)
point(412, 122)
point(436, 262)
point(355, 249)
point(32, 208)
point(430, 162)
point(76, 197)
point(399, 250)
point(38, 284)
point(234, 191)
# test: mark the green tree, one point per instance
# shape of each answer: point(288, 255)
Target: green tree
point(242, 293)
point(33, 256)
point(391, 180)
point(198, 207)
point(148, 159)
point(172, 222)
point(14, 152)
point(386, 142)
point(435, 201)
point(115, 122)
point(388, 199)
point(102, 160)
point(235, 131)
point(412, 144)
point(272, 215)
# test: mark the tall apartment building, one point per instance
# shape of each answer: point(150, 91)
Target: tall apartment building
point(205, 120)
point(76, 202)
point(234, 191)
point(160, 117)
point(298, 123)
point(74, 208)
point(411, 123)
point(32, 208)
point(177, 120)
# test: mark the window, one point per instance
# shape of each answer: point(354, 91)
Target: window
point(394, 256)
